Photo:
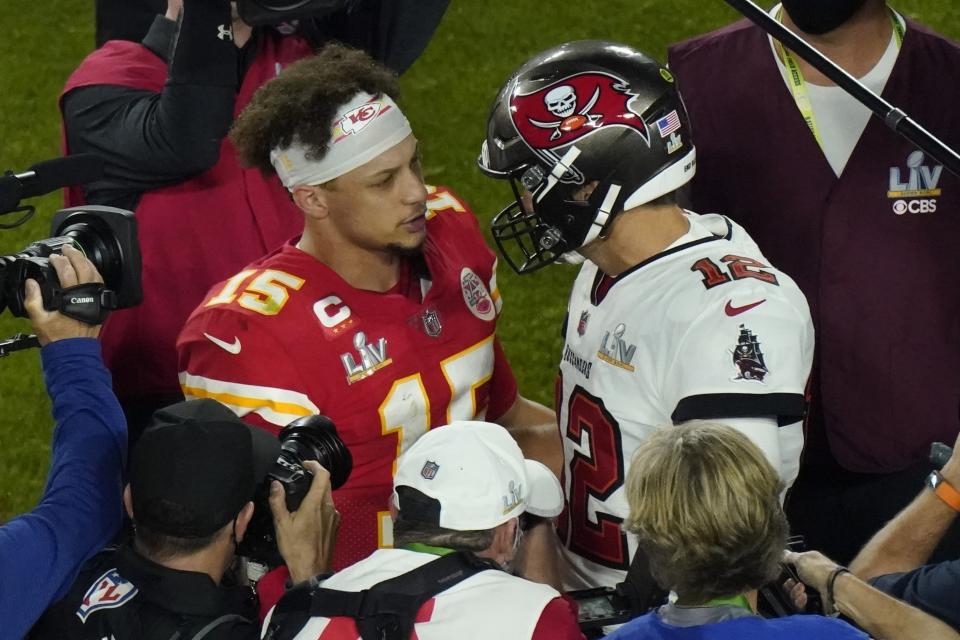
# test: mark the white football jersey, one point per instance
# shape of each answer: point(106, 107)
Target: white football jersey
point(706, 329)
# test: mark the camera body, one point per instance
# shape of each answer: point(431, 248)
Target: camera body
point(601, 607)
point(106, 235)
point(271, 12)
point(309, 438)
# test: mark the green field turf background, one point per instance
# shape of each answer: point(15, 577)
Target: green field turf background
point(447, 95)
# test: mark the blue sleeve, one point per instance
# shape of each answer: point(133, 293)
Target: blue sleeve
point(81, 508)
point(932, 588)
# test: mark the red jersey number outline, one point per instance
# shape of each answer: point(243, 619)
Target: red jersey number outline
point(597, 475)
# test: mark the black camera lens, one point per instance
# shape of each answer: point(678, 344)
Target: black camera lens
point(310, 438)
point(316, 438)
point(98, 243)
point(307, 438)
point(108, 238)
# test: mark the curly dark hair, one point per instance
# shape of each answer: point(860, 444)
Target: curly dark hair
point(302, 101)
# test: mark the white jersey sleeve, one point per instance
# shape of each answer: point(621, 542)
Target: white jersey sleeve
point(748, 354)
point(746, 360)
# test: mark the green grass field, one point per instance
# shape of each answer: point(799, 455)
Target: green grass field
point(447, 94)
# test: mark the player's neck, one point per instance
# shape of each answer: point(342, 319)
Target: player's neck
point(856, 45)
point(635, 236)
point(360, 268)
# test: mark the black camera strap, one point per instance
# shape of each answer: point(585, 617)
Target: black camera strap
point(385, 611)
point(89, 302)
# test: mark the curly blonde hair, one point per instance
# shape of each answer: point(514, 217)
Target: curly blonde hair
point(705, 506)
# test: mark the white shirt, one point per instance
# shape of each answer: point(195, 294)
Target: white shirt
point(840, 118)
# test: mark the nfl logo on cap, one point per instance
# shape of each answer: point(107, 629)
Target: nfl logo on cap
point(429, 470)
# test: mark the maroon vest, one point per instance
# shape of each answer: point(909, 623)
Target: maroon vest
point(192, 234)
point(878, 265)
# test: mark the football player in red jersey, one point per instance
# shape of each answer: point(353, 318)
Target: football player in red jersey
point(381, 315)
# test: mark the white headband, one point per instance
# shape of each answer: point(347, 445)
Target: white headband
point(364, 128)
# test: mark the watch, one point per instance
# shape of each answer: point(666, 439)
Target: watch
point(944, 490)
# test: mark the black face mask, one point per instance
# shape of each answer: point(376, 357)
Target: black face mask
point(820, 16)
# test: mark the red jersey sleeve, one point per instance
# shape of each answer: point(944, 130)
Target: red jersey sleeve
point(558, 621)
point(233, 359)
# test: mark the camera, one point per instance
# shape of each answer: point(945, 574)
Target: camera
point(108, 238)
point(271, 12)
point(309, 438)
point(601, 607)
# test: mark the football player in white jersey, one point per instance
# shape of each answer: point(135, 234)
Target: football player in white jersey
point(674, 316)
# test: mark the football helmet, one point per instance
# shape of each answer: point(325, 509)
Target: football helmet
point(583, 132)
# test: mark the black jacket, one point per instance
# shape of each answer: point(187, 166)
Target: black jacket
point(120, 594)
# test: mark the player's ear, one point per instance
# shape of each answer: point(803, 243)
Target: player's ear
point(313, 200)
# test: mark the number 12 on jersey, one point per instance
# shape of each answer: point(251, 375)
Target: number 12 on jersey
point(596, 472)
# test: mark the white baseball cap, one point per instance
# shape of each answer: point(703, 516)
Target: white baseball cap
point(471, 476)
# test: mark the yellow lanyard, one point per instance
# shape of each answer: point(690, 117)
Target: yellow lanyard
point(799, 88)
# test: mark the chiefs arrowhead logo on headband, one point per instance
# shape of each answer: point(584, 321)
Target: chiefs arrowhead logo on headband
point(572, 108)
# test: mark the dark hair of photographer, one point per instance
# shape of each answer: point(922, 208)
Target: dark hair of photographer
point(193, 476)
point(41, 551)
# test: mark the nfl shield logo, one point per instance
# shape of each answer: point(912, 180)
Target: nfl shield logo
point(431, 323)
point(429, 470)
point(582, 325)
point(109, 591)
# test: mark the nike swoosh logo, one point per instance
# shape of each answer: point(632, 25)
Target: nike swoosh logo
point(231, 348)
point(731, 310)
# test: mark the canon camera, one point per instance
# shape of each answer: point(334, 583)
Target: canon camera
point(107, 236)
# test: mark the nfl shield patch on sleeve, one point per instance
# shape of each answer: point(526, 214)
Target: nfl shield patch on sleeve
point(109, 591)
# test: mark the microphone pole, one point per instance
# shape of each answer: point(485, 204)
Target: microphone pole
point(893, 117)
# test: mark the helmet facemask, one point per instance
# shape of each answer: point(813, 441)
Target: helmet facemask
point(550, 219)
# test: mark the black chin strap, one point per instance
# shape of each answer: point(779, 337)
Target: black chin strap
point(89, 303)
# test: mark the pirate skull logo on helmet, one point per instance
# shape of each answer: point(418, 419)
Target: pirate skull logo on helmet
point(583, 132)
point(562, 101)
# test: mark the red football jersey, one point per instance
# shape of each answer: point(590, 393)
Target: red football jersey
point(287, 337)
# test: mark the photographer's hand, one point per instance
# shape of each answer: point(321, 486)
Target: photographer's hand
point(72, 268)
point(813, 567)
point(306, 537)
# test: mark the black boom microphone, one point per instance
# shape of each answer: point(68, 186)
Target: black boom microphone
point(893, 117)
point(48, 176)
